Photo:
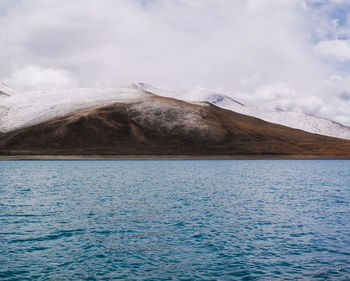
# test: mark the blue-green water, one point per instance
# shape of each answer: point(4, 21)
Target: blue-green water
point(175, 220)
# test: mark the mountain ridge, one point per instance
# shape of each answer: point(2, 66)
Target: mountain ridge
point(153, 125)
point(296, 120)
point(20, 109)
point(135, 120)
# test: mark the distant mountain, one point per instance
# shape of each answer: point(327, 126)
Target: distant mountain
point(297, 120)
point(133, 121)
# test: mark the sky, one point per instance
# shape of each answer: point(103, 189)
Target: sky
point(286, 54)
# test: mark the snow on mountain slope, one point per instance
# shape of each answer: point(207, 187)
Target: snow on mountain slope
point(32, 107)
point(297, 120)
point(21, 109)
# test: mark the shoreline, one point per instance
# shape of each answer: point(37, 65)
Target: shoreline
point(167, 157)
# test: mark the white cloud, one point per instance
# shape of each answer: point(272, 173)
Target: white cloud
point(36, 77)
point(261, 51)
point(334, 49)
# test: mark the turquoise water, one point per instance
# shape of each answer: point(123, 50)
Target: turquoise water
point(175, 220)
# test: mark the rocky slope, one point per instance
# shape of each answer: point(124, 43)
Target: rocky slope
point(146, 124)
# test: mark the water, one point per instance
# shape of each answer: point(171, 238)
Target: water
point(180, 220)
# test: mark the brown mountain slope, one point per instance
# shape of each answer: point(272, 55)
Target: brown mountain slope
point(163, 126)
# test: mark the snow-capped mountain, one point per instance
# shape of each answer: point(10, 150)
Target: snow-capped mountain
point(20, 109)
point(134, 120)
point(23, 109)
point(296, 120)
point(141, 123)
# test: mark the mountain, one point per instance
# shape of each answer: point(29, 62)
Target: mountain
point(297, 120)
point(28, 108)
point(132, 121)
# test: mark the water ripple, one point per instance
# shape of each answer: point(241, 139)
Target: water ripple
point(175, 220)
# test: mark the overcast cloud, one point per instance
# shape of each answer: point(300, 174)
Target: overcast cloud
point(288, 54)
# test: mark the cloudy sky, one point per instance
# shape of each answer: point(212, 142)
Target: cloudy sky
point(288, 54)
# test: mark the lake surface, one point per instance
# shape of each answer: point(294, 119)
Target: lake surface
point(175, 220)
